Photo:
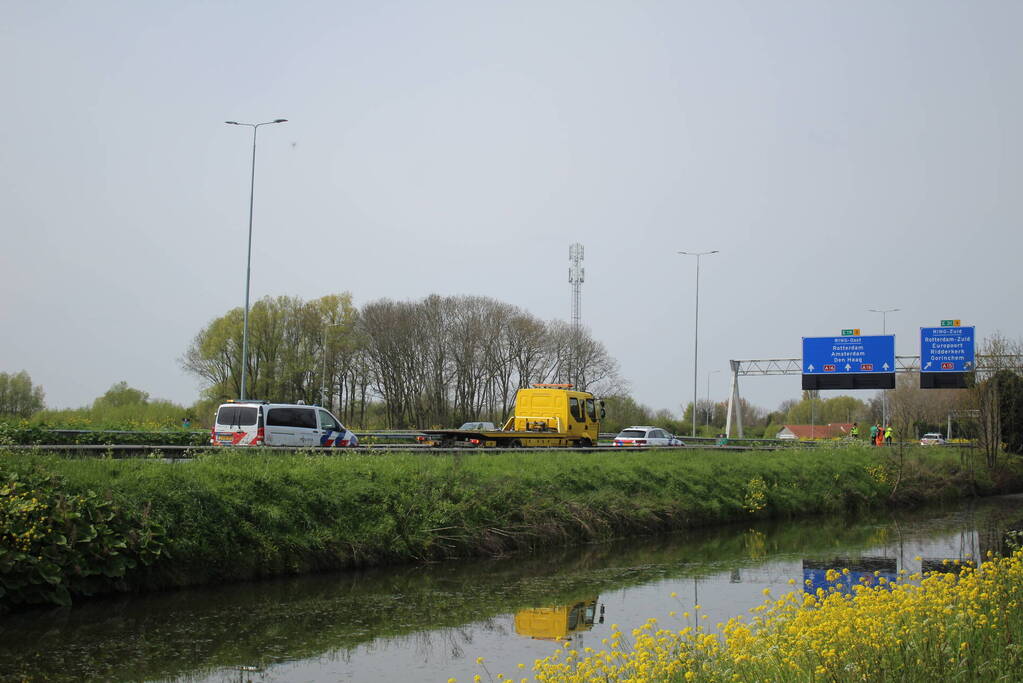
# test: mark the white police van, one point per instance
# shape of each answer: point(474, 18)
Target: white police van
point(261, 423)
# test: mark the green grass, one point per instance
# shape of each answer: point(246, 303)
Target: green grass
point(231, 516)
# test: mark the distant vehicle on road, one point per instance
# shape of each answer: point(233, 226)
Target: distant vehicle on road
point(644, 435)
point(479, 426)
point(932, 439)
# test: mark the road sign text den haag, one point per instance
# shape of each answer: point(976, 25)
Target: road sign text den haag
point(849, 362)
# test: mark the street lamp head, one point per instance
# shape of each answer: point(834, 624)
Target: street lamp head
point(698, 253)
point(233, 123)
point(280, 120)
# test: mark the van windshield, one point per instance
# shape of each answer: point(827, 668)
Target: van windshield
point(241, 416)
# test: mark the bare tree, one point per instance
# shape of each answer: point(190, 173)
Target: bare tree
point(1001, 355)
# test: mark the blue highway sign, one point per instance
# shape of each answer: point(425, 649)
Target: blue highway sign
point(849, 355)
point(946, 349)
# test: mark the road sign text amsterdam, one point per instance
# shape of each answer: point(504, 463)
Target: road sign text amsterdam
point(946, 349)
point(848, 355)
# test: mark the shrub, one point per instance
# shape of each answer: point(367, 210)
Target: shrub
point(54, 544)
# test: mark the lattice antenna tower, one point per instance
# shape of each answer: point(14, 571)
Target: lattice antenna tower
point(576, 275)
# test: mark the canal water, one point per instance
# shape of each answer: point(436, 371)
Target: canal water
point(431, 623)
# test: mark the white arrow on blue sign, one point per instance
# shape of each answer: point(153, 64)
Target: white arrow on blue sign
point(849, 355)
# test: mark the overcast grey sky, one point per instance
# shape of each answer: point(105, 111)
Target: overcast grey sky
point(842, 156)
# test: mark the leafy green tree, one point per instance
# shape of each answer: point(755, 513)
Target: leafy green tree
point(18, 396)
point(294, 348)
point(121, 395)
point(1010, 404)
point(993, 395)
point(623, 411)
point(823, 411)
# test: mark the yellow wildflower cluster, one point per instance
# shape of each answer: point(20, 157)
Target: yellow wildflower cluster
point(24, 519)
point(945, 626)
point(879, 473)
point(756, 495)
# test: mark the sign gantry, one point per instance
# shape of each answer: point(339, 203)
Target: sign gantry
point(794, 366)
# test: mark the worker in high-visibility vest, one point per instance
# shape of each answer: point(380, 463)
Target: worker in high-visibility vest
point(888, 431)
point(855, 431)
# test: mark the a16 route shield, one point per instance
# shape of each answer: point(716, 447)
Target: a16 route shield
point(852, 362)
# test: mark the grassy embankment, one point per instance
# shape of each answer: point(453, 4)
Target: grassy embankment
point(75, 527)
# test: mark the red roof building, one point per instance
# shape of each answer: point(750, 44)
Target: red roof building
point(834, 430)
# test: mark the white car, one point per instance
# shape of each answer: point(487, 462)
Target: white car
point(932, 439)
point(646, 436)
point(260, 423)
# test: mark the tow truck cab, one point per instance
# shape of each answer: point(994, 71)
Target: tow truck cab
point(546, 416)
point(557, 408)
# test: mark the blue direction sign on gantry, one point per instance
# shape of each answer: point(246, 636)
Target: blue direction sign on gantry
point(849, 355)
point(946, 349)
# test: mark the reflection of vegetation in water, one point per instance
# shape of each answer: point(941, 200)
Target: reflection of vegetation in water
point(943, 628)
point(882, 535)
point(756, 544)
point(196, 631)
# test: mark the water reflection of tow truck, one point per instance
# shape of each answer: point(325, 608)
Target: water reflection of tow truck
point(546, 415)
point(559, 622)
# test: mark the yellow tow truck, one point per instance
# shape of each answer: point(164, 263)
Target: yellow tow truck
point(546, 416)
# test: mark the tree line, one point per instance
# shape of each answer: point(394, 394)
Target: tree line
point(438, 361)
point(18, 396)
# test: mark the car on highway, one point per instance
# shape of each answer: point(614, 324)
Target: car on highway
point(932, 439)
point(645, 435)
point(261, 423)
point(479, 427)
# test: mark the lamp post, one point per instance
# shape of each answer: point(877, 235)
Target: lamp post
point(884, 330)
point(696, 326)
point(248, 258)
point(708, 395)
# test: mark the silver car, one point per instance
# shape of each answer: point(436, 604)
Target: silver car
point(646, 436)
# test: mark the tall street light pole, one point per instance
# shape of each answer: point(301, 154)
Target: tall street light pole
point(248, 258)
point(884, 330)
point(696, 326)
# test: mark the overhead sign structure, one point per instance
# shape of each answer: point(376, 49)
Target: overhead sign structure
point(946, 355)
point(849, 362)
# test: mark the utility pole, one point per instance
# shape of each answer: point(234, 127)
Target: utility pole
point(884, 330)
point(576, 276)
point(696, 326)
